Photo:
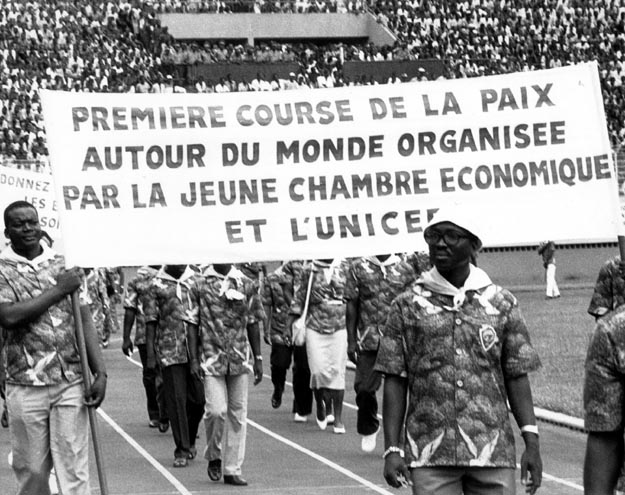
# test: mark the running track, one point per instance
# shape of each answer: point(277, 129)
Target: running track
point(282, 457)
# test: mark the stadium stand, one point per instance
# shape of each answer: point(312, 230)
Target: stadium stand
point(120, 46)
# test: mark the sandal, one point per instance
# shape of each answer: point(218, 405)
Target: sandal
point(180, 462)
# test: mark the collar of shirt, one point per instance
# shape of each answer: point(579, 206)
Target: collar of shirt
point(328, 268)
point(234, 274)
point(47, 254)
point(434, 281)
point(393, 259)
point(180, 282)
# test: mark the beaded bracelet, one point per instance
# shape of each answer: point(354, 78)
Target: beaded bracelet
point(392, 449)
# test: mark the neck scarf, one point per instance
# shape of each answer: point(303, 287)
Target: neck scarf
point(328, 269)
point(434, 281)
point(234, 274)
point(47, 253)
point(180, 282)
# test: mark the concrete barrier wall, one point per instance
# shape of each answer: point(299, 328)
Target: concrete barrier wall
point(266, 26)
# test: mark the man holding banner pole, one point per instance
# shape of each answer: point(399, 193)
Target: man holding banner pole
point(47, 406)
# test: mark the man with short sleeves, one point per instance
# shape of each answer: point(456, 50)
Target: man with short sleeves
point(372, 284)
point(457, 348)
point(166, 341)
point(47, 406)
point(136, 291)
point(277, 296)
point(224, 337)
point(604, 396)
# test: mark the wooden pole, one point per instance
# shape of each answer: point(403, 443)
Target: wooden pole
point(86, 374)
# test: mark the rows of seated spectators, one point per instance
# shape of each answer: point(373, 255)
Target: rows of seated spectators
point(483, 37)
point(120, 46)
point(259, 6)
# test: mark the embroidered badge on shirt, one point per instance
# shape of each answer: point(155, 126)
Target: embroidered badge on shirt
point(488, 337)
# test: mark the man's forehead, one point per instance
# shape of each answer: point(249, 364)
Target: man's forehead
point(22, 212)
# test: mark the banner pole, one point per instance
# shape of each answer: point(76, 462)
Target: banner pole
point(86, 374)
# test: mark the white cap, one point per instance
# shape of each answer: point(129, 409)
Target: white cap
point(461, 216)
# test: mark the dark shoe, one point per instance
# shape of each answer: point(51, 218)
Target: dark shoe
point(153, 423)
point(5, 419)
point(276, 399)
point(192, 453)
point(214, 469)
point(234, 479)
point(180, 462)
point(163, 427)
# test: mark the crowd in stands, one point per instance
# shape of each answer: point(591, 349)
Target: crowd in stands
point(120, 46)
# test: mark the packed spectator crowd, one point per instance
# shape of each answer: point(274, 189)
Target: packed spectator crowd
point(117, 46)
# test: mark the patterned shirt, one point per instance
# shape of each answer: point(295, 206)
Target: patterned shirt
point(375, 284)
point(223, 307)
point(136, 291)
point(604, 386)
point(326, 307)
point(291, 273)
point(419, 260)
point(609, 291)
point(43, 352)
point(275, 297)
point(165, 304)
point(456, 362)
point(113, 280)
point(97, 297)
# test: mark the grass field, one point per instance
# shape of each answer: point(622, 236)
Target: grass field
point(560, 330)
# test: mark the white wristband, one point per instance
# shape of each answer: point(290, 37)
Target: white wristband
point(392, 450)
point(530, 429)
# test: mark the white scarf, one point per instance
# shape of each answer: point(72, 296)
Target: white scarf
point(328, 269)
point(234, 274)
point(434, 281)
point(47, 254)
point(180, 282)
point(392, 260)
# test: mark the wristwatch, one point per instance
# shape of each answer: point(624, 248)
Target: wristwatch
point(258, 358)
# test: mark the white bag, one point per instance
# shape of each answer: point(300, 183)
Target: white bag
point(299, 326)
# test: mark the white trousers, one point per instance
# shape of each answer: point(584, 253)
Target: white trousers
point(550, 278)
point(49, 425)
point(225, 420)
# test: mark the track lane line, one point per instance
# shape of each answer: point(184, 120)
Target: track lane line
point(335, 466)
point(145, 454)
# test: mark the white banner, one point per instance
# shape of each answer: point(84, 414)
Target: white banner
point(190, 178)
point(37, 189)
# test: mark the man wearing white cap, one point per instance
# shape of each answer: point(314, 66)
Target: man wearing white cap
point(454, 350)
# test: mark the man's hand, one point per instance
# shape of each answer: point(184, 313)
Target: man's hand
point(69, 280)
point(127, 347)
point(396, 472)
point(95, 395)
point(196, 370)
point(258, 371)
point(531, 468)
point(267, 337)
point(352, 352)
